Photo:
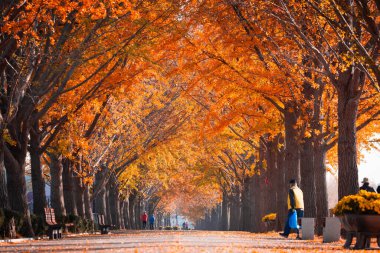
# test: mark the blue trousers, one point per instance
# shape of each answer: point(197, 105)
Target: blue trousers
point(287, 228)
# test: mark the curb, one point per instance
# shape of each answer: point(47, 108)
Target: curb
point(17, 240)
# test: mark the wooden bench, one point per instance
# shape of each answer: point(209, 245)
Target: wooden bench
point(54, 229)
point(103, 227)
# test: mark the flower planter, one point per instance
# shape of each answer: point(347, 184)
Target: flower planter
point(363, 226)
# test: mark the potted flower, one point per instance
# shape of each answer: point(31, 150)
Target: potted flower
point(360, 216)
point(270, 221)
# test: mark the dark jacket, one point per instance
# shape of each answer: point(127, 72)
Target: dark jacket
point(367, 188)
point(378, 189)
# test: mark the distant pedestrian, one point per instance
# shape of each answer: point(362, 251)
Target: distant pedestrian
point(144, 219)
point(366, 186)
point(295, 204)
point(151, 221)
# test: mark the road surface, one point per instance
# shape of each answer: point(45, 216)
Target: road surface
point(173, 241)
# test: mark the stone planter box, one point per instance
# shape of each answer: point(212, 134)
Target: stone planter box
point(363, 227)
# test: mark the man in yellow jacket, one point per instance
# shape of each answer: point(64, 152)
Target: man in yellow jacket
point(295, 204)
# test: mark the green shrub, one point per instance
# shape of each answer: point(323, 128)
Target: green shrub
point(168, 228)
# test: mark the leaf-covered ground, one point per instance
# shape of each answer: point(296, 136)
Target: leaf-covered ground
point(175, 241)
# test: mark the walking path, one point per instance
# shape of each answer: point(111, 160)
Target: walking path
point(173, 241)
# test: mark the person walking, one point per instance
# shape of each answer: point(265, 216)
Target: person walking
point(366, 186)
point(151, 222)
point(295, 204)
point(144, 219)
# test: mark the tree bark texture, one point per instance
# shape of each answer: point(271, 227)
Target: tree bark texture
point(79, 195)
point(349, 92)
point(224, 218)
point(87, 204)
point(292, 156)
point(245, 221)
point(320, 181)
point(114, 206)
point(38, 182)
point(281, 189)
point(4, 203)
point(57, 197)
point(14, 161)
point(68, 187)
point(308, 177)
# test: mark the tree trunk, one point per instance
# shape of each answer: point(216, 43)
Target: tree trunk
point(224, 218)
point(214, 219)
point(16, 189)
point(14, 161)
point(68, 187)
point(255, 200)
point(114, 206)
point(121, 215)
point(87, 204)
point(281, 190)
point(108, 216)
point(100, 198)
point(271, 177)
point(262, 186)
point(100, 203)
point(79, 195)
point(235, 211)
point(320, 181)
point(246, 206)
point(38, 182)
point(137, 212)
point(126, 214)
point(4, 203)
point(57, 199)
point(308, 177)
point(349, 92)
point(132, 215)
point(292, 157)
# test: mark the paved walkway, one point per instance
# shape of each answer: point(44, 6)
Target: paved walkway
point(173, 241)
